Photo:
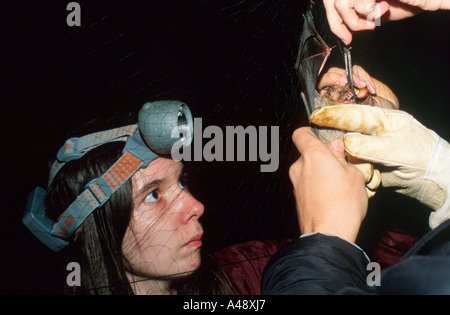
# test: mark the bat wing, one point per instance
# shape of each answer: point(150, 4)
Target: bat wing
point(312, 56)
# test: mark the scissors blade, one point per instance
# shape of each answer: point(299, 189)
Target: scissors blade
point(348, 69)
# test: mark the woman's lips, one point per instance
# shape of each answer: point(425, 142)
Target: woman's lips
point(196, 241)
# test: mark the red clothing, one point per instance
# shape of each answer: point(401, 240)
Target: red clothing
point(244, 263)
point(390, 246)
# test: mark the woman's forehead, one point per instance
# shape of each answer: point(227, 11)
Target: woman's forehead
point(159, 169)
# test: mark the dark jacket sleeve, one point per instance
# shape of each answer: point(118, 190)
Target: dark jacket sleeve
point(316, 264)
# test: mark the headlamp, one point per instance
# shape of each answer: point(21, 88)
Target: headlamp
point(160, 125)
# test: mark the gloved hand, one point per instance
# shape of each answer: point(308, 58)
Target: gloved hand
point(411, 158)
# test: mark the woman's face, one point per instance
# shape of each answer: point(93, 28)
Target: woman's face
point(163, 238)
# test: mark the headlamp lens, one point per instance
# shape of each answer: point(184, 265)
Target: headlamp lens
point(163, 123)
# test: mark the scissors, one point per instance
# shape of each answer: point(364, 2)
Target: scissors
point(348, 69)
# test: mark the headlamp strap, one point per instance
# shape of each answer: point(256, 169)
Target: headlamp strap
point(74, 148)
point(96, 193)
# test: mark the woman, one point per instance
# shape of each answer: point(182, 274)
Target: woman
point(146, 238)
point(143, 235)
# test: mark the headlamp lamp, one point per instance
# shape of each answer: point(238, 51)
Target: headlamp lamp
point(160, 125)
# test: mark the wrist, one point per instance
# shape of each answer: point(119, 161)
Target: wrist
point(346, 231)
point(345, 240)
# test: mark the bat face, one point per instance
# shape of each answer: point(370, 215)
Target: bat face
point(334, 95)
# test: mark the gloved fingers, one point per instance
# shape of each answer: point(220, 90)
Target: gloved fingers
point(355, 118)
point(372, 183)
point(370, 149)
point(375, 181)
point(366, 169)
point(370, 193)
point(372, 176)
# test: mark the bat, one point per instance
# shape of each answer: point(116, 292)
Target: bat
point(313, 54)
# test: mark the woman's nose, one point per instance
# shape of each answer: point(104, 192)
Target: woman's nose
point(190, 208)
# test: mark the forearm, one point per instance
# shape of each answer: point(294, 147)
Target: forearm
point(317, 264)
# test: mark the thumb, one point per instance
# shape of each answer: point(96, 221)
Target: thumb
point(337, 148)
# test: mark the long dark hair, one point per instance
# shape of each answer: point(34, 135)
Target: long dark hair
point(97, 245)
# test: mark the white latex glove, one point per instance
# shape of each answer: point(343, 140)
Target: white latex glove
point(411, 158)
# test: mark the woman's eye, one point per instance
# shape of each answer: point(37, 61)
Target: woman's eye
point(183, 181)
point(152, 197)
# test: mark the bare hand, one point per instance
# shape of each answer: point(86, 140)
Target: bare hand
point(345, 16)
point(402, 9)
point(353, 15)
point(330, 193)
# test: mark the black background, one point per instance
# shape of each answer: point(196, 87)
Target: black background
point(230, 61)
